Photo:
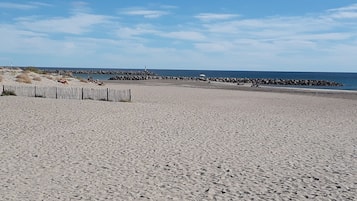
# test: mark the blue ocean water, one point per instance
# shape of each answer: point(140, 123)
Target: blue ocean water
point(349, 80)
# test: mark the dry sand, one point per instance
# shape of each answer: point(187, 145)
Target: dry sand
point(179, 143)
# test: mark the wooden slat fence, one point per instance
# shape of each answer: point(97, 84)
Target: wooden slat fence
point(105, 94)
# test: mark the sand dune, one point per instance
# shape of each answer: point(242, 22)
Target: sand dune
point(179, 143)
point(11, 77)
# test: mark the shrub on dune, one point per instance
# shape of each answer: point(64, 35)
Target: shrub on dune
point(34, 69)
point(49, 77)
point(8, 93)
point(83, 80)
point(23, 78)
point(37, 79)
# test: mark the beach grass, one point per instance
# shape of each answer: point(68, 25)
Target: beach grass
point(8, 93)
point(23, 78)
point(82, 80)
point(37, 79)
point(49, 77)
point(34, 70)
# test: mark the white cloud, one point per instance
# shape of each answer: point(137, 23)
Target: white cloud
point(184, 35)
point(352, 7)
point(347, 12)
point(80, 7)
point(40, 4)
point(215, 16)
point(168, 7)
point(335, 36)
point(19, 41)
point(79, 4)
point(144, 12)
point(345, 15)
point(218, 46)
point(24, 6)
point(135, 31)
point(76, 24)
point(274, 25)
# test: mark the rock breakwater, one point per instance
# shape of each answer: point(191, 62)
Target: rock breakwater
point(148, 75)
point(253, 81)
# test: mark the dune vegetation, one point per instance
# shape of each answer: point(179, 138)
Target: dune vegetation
point(23, 78)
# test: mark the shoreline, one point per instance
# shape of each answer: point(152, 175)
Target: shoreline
point(344, 94)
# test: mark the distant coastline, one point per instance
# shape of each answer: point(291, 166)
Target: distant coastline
point(149, 75)
point(318, 80)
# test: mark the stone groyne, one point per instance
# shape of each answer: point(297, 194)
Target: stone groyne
point(253, 81)
point(147, 75)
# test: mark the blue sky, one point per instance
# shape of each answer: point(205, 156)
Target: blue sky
point(262, 35)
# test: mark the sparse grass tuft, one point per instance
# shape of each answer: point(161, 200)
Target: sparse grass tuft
point(82, 80)
point(37, 79)
point(49, 77)
point(34, 69)
point(125, 101)
point(23, 78)
point(8, 93)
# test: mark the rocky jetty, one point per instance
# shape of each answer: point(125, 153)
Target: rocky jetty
point(253, 81)
point(148, 75)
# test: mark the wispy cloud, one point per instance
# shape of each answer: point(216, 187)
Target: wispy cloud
point(80, 7)
point(9, 5)
point(76, 24)
point(215, 16)
point(135, 32)
point(146, 13)
point(22, 6)
point(217, 46)
point(352, 7)
point(273, 39)
point(168, 7)
point(37, 3)
point(184, 35)
point(347, 12)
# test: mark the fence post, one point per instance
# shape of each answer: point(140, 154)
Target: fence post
point(56, 93)
point(82, 93)
point(107, 94)
point(130, 95)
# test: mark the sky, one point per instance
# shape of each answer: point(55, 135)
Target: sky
point(253, 35)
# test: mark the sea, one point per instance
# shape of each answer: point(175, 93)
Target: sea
point(349, 80)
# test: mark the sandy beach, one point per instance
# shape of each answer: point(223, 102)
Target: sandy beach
point(174, 142)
